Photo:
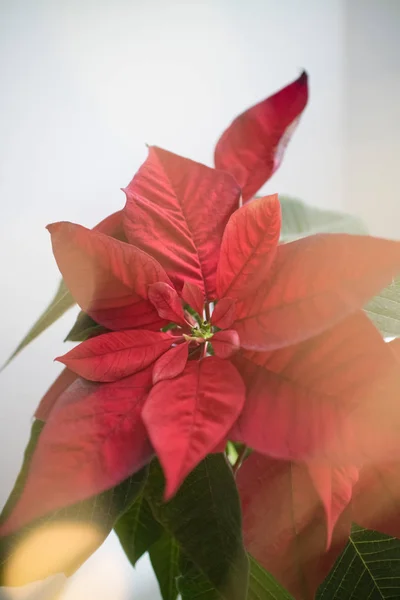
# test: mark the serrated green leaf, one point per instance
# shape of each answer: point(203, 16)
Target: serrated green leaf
point(205, 519)
point(164, 557)
point(137, 529)
point(101, 511)
point(300, 220)
point(84, 328)
point(61, 302)
point(367, 569)
point(384, 310)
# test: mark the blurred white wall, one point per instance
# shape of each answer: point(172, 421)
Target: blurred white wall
point(84, 85)
point(372, 113)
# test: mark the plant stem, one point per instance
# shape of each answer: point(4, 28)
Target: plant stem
point(239, 460)
point(207, 309)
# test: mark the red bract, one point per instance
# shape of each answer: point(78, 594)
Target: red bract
point(284, 523)
point(252, 147)
point(299, 374)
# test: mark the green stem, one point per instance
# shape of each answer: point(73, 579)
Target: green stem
point(239, 460)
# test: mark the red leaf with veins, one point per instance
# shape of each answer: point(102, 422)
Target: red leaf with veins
point(284, 524)
point(225, 343)
point(108, 278)
point(188, 416)
point(314, 283)
point(112, 226)
point(63, 381)
point(248, 247)
point(192, 295)
point(94, 439)
point(224, 313)
point(176, 210)
point(252, 147)
point(333, 397)
point(167, 302)
point(171, 363)
point(118, 354)
point(335, 489)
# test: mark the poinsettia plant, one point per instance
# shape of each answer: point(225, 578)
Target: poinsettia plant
point(231, 408)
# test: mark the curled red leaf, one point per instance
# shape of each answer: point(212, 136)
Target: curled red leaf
point(94, 439)
point(224, 313)
point(118, 354)
point(248, 247)
point(186, 417)
point(108, 278)
point(225, 343)
point(193, 295)
point(167, 302)
point(253, 145)
point(176, 210)
point(171, 363)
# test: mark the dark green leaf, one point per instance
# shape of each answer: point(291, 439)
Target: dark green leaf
point(137, 529)
point(384, 310)
point(263, 586)
point(367, 569)
point(84, 328)
point(205, 519)
point(100, 511)
point(300, 220)
point(193, 585)
point(164, 556)
point(61, 302)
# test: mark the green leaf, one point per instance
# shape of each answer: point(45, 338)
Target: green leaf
point(193, 585)
point(84, 328)
point(205, 519)
point(36, 430)
point(300, 220)
point(263, 586)
point(384, 310)
point(137, 529)
point(61, 302)
point(164, 556)
point(100, 511)
point(367, 569)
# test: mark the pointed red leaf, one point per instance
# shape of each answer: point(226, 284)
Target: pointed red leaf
point(225, 343)
point(115, 355)
point(314, 283)
point(171, 363)
point(334, 397)
point(224, 313)
point(253, 145)
point(284, 524)
point(188, 416)
point(192, 295)
point(176, 210)
point(248, 247)
point(94, 439)
point(335, 489)
point(108, 278)
point(167, 302)
point(63, 381)
point(112, 226)
point(377, 497)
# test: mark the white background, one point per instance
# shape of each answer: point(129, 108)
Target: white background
point(85, 84)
